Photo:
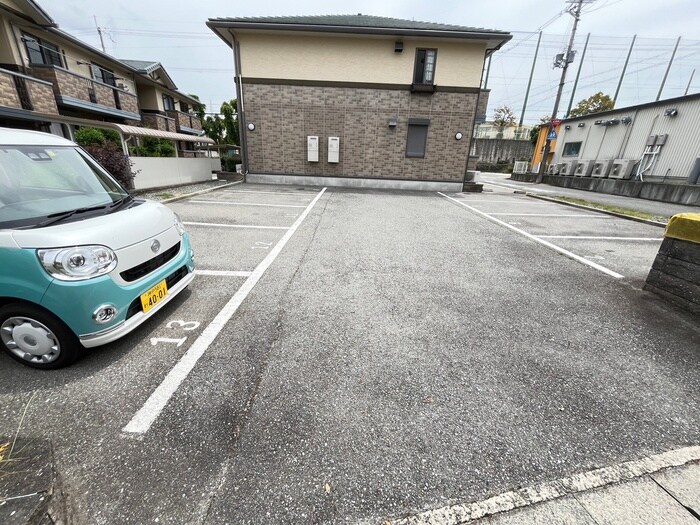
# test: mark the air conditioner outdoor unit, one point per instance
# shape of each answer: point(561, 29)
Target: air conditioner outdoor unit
point(553, 169)
point(566, 168)
point(601, 168)
point(622, 168)
point(584, 168)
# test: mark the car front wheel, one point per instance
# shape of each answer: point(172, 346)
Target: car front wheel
point(36, 338)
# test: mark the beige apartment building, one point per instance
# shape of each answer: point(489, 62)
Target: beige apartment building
point(51, 81)
point(357, 100)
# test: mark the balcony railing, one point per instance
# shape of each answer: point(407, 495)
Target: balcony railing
point(87, 94)
point(185, 122)
point(23, 92)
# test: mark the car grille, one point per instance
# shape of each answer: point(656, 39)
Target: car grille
point(143, 269)
point(171, 280)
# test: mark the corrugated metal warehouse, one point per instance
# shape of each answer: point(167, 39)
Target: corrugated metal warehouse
point(655, 142)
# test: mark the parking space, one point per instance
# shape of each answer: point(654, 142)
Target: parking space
point(618, 247)
point(338, 348)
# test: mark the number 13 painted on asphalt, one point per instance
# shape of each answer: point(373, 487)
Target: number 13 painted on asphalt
point(185, 325)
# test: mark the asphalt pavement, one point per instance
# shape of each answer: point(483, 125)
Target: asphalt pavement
point(368, 356)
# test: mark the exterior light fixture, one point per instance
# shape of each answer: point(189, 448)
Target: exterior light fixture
point(459, 135)
point(251, 126)
point(626, 120)
point(671, 112)
point(567, 126)
point(581, 124)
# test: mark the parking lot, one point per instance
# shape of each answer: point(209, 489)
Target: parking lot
point(353, 356)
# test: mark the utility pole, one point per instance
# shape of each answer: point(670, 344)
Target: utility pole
point(99, 32)
point(689, 82)
point(624, 69)
point(562, 61)
point(670, 63)
point(529, 82)
point(578, 75)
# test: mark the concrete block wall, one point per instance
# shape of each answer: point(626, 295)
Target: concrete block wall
point(284, 115)
point(675, 274)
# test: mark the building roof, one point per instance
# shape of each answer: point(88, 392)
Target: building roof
point(662, 102)
point(361, 24)
point(358, 20)
point(142, 65)
point(148, 67)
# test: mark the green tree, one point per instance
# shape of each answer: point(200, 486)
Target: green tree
point(503, 117)
point(229, 110)
point(593, 104)
point(214, 128)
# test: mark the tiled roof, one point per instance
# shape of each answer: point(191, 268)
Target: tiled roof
point(358, 21)
point(141, 65)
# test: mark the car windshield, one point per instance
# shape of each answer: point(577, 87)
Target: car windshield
point(38, 183)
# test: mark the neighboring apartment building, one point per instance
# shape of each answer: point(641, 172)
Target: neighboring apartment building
point(489, 130)
point(51, 81)
point(356, 99)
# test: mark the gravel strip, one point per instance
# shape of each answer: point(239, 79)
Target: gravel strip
point(161, 194)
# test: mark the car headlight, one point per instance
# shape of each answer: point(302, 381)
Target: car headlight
point(78, 263)
point(178, 224)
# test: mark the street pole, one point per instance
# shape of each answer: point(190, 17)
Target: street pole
point(624, 69)
point(529, 82)
point(670, 63)
point(575, 11)
point(99, 32)
point(689, 82)
point(578, 75)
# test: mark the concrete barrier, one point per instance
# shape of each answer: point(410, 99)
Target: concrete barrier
point(675, 274)
point(655, 191)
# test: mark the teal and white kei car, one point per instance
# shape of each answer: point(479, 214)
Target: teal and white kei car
point(82, 262)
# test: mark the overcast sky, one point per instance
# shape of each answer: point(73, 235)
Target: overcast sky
point(173, 33)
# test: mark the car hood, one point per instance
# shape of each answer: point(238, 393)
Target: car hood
point(115, 230)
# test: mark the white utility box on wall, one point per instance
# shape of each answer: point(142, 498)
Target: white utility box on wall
point(312, 148)
point(334, 149)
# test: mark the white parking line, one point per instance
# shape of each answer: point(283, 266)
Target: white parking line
point(594, 238)
point(217, 225)
point(570, 215)
point(149, 412)
point(537, 239)
point(223, 273)
point(551, 490)
point(249, 204)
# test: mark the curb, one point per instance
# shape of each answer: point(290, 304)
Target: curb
point(188, 195)
point(591, 208)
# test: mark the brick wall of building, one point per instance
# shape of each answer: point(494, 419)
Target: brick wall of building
point(8, 91)
point(285, 115)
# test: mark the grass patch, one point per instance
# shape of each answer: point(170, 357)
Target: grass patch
point(615, 209)
point(165, 195)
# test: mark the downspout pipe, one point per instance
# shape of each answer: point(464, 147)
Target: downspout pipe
point(242, 125)
point(476, 109)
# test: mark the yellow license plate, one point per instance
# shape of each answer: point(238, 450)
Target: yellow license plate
point(153, 296)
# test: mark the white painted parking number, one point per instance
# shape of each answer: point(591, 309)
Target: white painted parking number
point(185, 325)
